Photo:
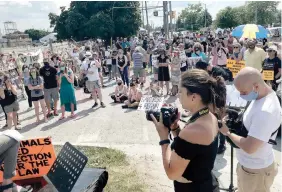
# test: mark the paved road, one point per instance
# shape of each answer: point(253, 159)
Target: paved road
point(126, 130)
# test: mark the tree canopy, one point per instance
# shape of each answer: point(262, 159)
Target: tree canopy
point(36, 34)
point(97, 19)
point(257, 12)
point(193, 17)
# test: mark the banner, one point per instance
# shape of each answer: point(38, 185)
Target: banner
point(235, 66)
point(35, 158)
point(32, 57)
point(150, 103)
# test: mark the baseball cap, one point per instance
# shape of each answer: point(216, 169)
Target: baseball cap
point(272, 47)
point(88, 54)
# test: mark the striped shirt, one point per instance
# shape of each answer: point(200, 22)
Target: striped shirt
point(137, 58)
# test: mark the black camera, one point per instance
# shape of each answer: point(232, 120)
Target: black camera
point(235, 124)
point(169, 114)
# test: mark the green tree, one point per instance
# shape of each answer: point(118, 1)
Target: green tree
point(264, 11)
point(227, 18)
point(97, 19)
point(36, 34)
point(193, 17)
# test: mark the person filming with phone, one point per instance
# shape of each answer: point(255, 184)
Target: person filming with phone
point(256, 168)
point(190, 159)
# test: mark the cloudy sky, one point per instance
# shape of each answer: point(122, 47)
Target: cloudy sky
point(34, 14)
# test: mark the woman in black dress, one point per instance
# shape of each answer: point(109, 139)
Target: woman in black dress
point(163, 72)
point(190, 159)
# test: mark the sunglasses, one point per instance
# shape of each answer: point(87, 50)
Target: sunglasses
point(270, 51)
point(236, 47)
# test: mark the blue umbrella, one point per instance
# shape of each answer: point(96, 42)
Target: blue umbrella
point(250, 31)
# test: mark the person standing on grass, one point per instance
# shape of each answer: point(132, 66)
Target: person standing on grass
point(51, 91)
point(35, 85)
point(67, 93)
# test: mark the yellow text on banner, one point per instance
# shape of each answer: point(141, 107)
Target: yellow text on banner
point(235, 66)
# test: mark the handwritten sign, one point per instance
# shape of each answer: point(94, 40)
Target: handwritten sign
point(150, 103)
point(191, 61)
point(235, 66)
point(35, 158)
point(268, 75)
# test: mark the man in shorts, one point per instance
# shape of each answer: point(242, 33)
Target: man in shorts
point(93, 79)
point(51, 92)
point(138, 69)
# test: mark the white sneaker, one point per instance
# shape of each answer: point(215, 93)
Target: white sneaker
point(29, 109)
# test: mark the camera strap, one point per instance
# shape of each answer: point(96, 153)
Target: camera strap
point(199, 114)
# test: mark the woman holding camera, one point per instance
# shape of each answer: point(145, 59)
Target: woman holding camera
point(67, 94)
point(35, 85)
point(190, 159)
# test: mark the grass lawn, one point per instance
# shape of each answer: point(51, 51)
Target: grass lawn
point(122, 176)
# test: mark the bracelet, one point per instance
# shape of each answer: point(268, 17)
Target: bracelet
point(163, 142)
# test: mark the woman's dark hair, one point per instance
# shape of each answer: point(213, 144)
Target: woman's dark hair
point(202, 65)
point(219, 72)
point(36, 70)
point(211, 90)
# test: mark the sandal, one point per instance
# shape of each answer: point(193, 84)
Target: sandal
point(61, 118)
point(72, 116)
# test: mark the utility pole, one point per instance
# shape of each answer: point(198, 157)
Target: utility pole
point(143, 14)
point(205, 15)
point(256, 14)
point(165, 18)
point(170, 11)
point(148, 28)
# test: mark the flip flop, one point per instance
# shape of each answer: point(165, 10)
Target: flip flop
point(72, 116)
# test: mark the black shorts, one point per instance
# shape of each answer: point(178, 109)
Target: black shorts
point(37, 98)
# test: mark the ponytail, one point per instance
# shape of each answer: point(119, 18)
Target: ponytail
point(218, 95)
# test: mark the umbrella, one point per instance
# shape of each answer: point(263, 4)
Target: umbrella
point(250, 31)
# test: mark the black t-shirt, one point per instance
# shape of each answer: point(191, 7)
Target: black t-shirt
point(49, 75)
point(9, 98)
point(272, 64)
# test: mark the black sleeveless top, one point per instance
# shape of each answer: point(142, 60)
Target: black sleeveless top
point(199, 170)
point(121, 61)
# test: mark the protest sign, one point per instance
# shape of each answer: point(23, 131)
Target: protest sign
point(150, 103)
point(268, 75)
point(235, 66)
point(35, 158)
point(191, 61)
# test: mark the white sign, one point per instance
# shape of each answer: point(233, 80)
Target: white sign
point(192, 62)
point(150, 103)
point(233, 98)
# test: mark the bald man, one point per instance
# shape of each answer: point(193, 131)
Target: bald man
point(256, 169)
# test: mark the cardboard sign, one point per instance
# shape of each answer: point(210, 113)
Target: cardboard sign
point(191, 61)
point(35, 158)
point(268, 75)
point(150, 103)
point(235, 66)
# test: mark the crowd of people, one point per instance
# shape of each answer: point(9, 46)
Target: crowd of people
point(202, 93)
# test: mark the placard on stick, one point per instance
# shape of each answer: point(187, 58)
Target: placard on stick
point(35, 158)
point(235, 66)
point(268, 75)
point(150, 103)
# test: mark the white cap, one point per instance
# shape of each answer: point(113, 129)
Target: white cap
point(272, 47)
point(88, 54)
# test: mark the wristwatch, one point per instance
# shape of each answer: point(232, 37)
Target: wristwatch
point(163, 142)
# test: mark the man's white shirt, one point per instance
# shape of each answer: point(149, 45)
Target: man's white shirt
point(261, 119)
point(93, 68)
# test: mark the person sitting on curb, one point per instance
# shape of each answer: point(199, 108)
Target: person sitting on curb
point(120, 92)
point(134, 97)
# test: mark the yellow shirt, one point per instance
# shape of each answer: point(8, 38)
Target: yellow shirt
point(255, 59)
